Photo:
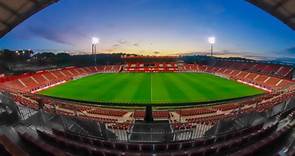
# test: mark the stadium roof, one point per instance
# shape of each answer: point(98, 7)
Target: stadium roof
point(13, 12)
point(284, 10)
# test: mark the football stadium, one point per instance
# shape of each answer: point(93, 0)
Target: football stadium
point(142, 104)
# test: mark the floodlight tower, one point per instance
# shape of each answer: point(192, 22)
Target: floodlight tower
point(211, 40)
point(95, 41)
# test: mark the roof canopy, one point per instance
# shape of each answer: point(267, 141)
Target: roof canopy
point(13, 12)
point(284, 10)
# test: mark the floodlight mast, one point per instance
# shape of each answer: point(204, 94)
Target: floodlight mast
point(211, 40)
point(95, 41)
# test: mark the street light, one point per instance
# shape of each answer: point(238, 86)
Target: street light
point(211, 40)
point(95, 41)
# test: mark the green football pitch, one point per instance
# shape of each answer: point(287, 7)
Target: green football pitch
point(151, 88)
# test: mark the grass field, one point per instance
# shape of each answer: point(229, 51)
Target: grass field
point(154, 88)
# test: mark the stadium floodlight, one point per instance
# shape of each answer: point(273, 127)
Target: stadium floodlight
point(95, 41)
point(211, 40)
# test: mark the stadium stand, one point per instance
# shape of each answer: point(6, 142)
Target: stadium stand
point(151, 67)
point(197, 120)
point(156, 114)
point(265, 81)
point(7, 147)
point(248, 141)
point(30, 82)
point(281, 71)
point(36, 81)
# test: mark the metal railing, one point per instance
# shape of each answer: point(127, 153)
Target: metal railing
point(138, 131)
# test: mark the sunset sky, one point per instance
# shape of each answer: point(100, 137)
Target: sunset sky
point(145, 26)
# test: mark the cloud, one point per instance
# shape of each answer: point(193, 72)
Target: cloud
point(287, 52)
point(116, 45)
point(156, 52)
point(230, 53)
point(110, 50)
point(60, 35)
point(290, 50)
point(49, 35)
point(125, 43)
point(122, 42)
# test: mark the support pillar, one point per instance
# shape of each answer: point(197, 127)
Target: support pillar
point(148, 116)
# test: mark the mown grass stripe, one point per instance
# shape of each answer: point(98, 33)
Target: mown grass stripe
point(151, 88)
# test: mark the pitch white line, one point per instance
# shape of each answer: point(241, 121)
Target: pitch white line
point(151, 87)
